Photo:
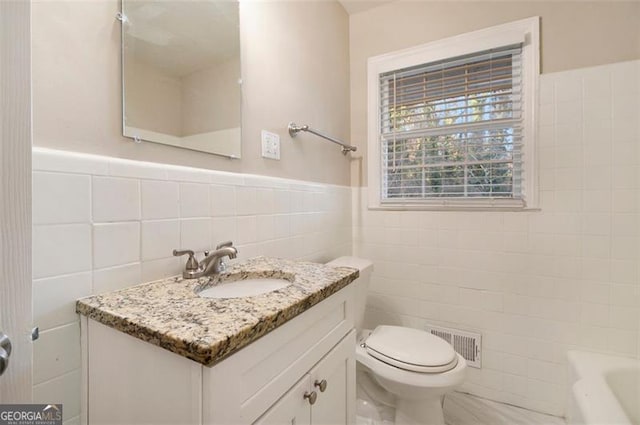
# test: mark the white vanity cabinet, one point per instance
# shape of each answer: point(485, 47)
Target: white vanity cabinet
point(128, 381)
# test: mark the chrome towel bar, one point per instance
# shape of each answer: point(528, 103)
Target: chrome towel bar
point(295, 129)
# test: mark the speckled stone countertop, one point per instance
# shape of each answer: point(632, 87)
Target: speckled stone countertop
point(169, 313)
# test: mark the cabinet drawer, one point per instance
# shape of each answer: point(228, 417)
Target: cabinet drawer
point(241, 388)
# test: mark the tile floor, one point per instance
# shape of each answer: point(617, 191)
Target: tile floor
point(464, 409)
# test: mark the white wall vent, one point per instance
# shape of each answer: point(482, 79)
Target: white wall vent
point(467, 344)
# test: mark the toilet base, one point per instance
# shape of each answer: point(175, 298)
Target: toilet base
point(420, 412)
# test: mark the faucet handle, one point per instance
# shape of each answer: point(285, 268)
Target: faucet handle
point(192, 263)
point(224, 244)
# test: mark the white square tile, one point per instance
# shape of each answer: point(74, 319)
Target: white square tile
point(625, 78)
point(281, 226)
point(568, 112)
point(281, 201)
point(625, 271)
point(626, 153)
point(546, 114)
point(246, 200)
point(61, 249)
point(623, 342)
point(569, 134)
point(625, 201)
point(625, 177)
point(56, 352)
point(223, 201)
point(114, 278)
point(624, 318)
point(597, 269)
point(115, 244)
point(596, 154)
point(568, 88)
point(625, 129)
point(162, 268)
point(568, 201)
point(65, 390)
point(598, 132)
point(598, 177)
point(625, 248)
point(160, 199)
point(194, 200)
point(115, 199)
point(596, 246)
point(597, 109)
point(597, 201)
point(223, 229)
point(596, 224)
point(159, 238)
point(597, 84)
point(264, 201)
point(568, 156)
point(595, 314)
point(265, 228)
point(624, 295)
point(569, 178)
point(61, 198)
point(625, 225)
point(247, 230)
point(195, 234)
point(546, 89)
point(54, 299)
point(626, 107)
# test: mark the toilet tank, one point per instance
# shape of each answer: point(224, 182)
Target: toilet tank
point(362, 283)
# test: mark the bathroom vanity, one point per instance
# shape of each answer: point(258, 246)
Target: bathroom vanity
point(160, 353)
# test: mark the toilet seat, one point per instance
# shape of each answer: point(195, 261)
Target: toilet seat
point(410, 349)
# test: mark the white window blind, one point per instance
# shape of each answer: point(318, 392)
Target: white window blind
point(453, 128)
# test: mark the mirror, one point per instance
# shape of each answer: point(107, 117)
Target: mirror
point(181, 74)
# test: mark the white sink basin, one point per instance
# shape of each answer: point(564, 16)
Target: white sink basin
point(245, 288)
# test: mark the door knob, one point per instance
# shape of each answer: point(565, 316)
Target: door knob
point(321, 384)
point(311, 396)
point(5, 352)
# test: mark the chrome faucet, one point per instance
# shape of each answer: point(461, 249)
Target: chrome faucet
point(212, 264)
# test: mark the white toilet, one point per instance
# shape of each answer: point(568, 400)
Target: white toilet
point(416, 367)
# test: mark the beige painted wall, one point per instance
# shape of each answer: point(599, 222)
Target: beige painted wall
point(295, 62)
point(574, 34)
point(211, 98)
point(154, 99)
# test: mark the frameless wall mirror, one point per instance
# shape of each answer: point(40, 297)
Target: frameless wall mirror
point(181, 73)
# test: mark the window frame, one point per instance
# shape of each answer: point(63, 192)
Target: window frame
point(526, 31)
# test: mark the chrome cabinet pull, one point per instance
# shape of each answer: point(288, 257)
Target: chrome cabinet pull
point(322, 385)
point(311, 396)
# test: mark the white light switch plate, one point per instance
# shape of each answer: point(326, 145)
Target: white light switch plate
point(270, 145)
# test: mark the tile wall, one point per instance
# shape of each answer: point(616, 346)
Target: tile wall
point(537, 283)
point(102, 223)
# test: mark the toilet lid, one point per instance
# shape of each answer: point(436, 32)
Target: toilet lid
point(411, 349)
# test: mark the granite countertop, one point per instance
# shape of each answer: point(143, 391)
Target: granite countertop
point(169, 313)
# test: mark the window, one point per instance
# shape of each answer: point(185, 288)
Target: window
point(451, 121)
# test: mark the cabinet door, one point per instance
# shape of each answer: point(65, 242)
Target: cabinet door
point(336, 374)
point(292, 409)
